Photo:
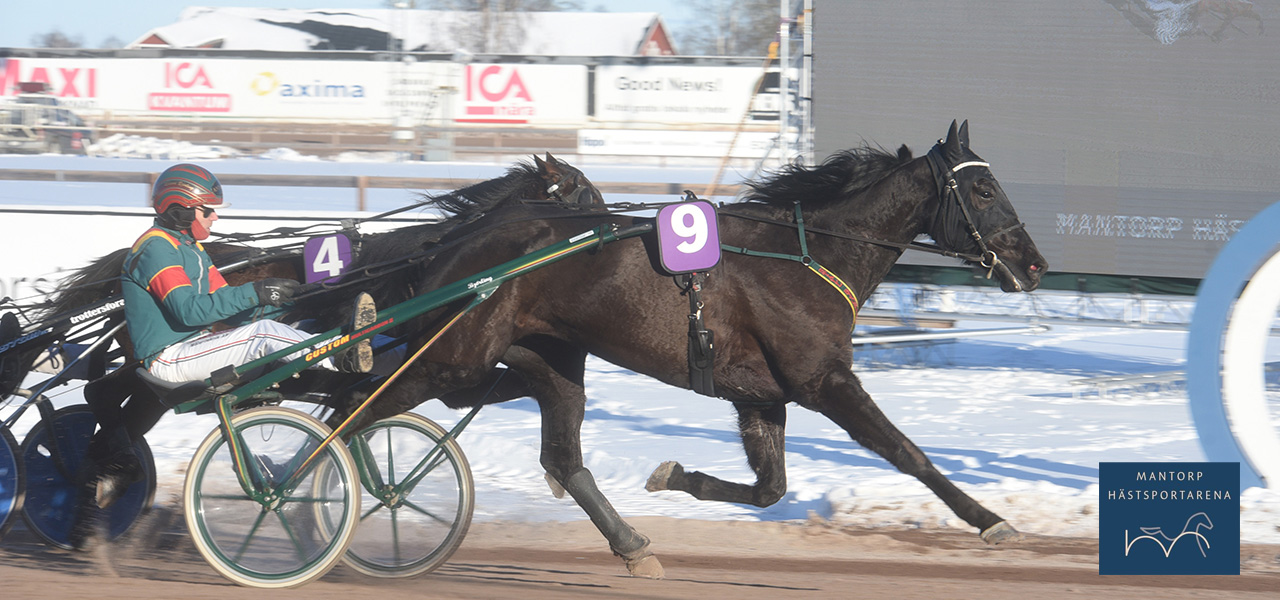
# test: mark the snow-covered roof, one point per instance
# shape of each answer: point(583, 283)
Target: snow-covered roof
point(545, 33)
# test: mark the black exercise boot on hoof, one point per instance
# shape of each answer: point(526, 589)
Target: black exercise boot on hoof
point(89, 528)
point(359, 358)
point(119, 470)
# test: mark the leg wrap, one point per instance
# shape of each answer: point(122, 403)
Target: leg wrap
point(623, 539)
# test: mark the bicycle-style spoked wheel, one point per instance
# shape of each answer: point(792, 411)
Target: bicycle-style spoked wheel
point(418, 499)
point(272, 542)
point(54, 490)
point(12, 483)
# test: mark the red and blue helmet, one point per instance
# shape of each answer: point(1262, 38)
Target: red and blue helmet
point(188, 186)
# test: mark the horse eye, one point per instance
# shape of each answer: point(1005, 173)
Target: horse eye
point(987, 195)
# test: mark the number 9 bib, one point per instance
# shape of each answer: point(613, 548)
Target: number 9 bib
point(688, 237)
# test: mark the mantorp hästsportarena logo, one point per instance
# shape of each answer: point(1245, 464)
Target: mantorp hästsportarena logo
point(1169, 519)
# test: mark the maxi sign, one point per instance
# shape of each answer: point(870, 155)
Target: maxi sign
point(74, 82)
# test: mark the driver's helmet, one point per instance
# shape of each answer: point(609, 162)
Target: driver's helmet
point(188, 186)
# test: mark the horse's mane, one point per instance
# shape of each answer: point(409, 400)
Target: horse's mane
point(460, 206)
point(841, 175)
point(521, 181)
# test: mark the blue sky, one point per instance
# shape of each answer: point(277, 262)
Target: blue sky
point(96, 20)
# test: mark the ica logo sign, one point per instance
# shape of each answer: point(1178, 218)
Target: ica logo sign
point(496, 94)
point(188, 88)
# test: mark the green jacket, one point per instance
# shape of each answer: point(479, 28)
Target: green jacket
point(172, 292)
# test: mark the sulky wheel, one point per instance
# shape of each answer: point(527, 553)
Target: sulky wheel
point(12, 483)
point(418, 497)
point(275, 540)
point(53, 458)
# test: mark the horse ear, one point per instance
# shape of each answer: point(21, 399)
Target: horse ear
point(964, 133)
point(952, 144)
point(551, 159)
point(542, 166)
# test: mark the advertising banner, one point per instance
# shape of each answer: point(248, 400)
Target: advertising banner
point(517, 94)
point(349, 91)
point(76, 82)
point(673, 94)
point(645, 142)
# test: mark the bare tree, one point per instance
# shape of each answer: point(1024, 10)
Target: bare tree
point(497, 26)
point(56, 39)
point(731, 28)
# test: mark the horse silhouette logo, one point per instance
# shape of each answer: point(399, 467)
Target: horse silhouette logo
point(1197, 522)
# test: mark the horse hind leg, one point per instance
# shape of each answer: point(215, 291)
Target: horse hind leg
point(763, 432)
point(554, 373)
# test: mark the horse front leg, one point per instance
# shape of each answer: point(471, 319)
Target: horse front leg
point(556, 381)
point(763, 432)
point(842, 399)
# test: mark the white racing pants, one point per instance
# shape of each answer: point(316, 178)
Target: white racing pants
point(196, 358)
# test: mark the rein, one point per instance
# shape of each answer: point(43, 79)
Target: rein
point(257, 255)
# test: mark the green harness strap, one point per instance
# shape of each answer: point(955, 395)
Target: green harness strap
point(806, 260)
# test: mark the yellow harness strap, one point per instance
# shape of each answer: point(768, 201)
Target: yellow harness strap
point(839, 284)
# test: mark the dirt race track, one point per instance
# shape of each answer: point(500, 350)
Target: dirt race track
point(703, 560)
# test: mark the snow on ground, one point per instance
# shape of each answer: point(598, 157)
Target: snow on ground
point(999, 415)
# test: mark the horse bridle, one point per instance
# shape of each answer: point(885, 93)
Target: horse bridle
point(571, 197)
point(949, 189)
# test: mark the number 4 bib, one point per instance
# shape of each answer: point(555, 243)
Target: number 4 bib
point(326, 257)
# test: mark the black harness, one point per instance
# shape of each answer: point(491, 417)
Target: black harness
point(571, 197)
point(945, 226)
point(702, 355)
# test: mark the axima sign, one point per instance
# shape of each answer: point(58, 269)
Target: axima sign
point(496, 94)
point(65, 82)
point(188, 88)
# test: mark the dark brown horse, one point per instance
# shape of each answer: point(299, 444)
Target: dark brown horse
point(122, 403)
point(782, 333)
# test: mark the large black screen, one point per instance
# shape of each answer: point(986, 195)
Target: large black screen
point(1134, 137)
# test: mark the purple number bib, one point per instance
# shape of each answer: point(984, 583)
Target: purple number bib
point(688, 237)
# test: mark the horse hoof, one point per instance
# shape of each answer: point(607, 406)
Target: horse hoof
point(1000, 533)
point(661, 477)
point(647, 567)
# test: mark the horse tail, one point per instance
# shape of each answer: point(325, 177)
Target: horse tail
point(91, 283)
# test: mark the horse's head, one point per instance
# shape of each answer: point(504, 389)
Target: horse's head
point(566, 183)
point(975, 218)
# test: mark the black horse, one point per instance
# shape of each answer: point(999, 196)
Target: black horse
point(126, 408)
point(781, 333)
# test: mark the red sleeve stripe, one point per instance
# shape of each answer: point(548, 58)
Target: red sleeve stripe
point(167, 280)
point(215, 279)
